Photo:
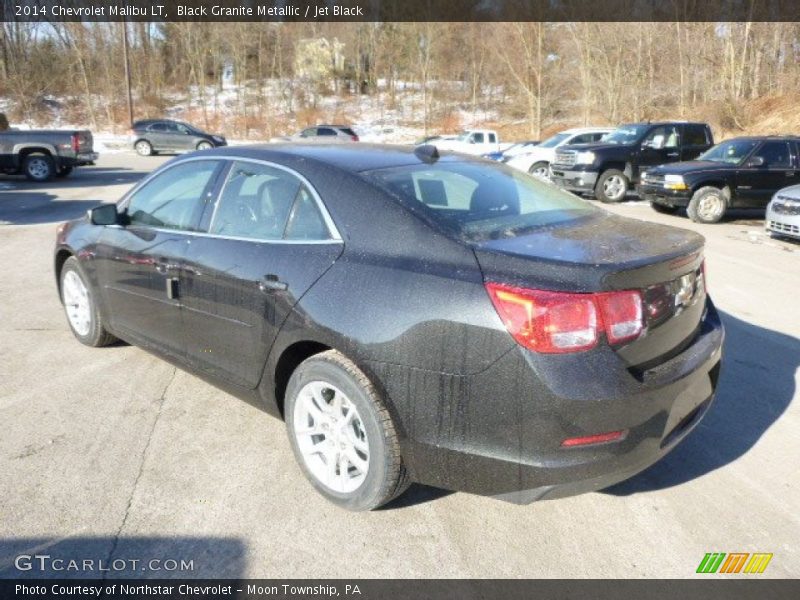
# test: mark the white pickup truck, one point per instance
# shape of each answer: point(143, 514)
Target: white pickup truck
point(471, 141)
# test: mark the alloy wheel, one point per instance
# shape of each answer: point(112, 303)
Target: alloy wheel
point(38, 168)
point(76, 303)
point(614, 187)
point(331, 437)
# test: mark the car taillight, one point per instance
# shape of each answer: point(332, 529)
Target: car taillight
point(559, 322)
point(354, 138)
point(75, 142)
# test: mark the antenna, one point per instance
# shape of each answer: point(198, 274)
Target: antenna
point(427, 153)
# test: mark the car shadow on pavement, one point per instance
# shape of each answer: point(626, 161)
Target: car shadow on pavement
point(122, 557)
point(416, 494)
point(80, 177)
point(756, 386)
point(39, 207)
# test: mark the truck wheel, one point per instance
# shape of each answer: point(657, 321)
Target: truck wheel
point(612, 186)
point(38, 167)
point(540, 169)
point(708, 205)
point(143, 148)
point(342, 434)
point(63, 171)
point(663, 208)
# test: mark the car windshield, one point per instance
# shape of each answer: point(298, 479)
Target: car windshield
point(554, 141)
point(477, 201)
point(625, 134)
point(731, 152)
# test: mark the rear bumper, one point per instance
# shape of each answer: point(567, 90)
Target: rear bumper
point(658, 195)
point(499, 433)
point(80, 159)
point(574, 181)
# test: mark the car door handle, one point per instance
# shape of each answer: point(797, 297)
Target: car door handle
point(163, 266)
point(271, 283)
point(672, 154)
point(790, 173)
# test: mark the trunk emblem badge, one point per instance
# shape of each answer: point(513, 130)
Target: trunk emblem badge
point(686, 285)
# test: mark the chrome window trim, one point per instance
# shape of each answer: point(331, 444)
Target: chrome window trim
point(333, 231)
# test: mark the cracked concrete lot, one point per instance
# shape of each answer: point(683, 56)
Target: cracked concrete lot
point(115, 455)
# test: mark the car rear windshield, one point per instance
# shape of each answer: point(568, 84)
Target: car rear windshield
point(479, 201)
point(347, 131)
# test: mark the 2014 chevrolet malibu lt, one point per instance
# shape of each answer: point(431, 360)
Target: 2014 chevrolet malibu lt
point(412, 317)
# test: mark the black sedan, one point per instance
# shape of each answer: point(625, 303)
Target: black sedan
point(151, 136)
point(412, 317)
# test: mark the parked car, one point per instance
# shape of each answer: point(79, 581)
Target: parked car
point(610, 168)
point(783, 213)
point(324, 133)
point(511, 151)
point(488, 333)
point(738, 173)
point(43, 154)
point(472, 141)
point(151, 136)
point(537, 159)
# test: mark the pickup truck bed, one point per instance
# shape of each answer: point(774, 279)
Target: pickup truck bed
point(43, 154)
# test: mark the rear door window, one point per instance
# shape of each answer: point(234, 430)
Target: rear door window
point(776, 155)
point(694, 135)
point(325, 131)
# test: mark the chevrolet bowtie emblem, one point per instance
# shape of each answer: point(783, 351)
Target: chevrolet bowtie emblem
point(685, 290)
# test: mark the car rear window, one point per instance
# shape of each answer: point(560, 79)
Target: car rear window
point(479, 201)
point(348, 131)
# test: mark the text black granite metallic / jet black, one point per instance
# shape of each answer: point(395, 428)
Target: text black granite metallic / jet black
point(413, 317)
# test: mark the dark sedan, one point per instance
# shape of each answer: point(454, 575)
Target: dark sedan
point(412, 317)
point(152, 136)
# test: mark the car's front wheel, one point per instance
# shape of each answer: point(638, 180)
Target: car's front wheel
point(708, 205)
point(612, 186)
point(540, 169)
point(80, 306)
point(342, 434)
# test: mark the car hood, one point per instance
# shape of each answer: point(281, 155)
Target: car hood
point(690, 166)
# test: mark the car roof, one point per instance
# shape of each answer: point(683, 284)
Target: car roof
point(354, 158)
point(783, 137)
point(575, 130)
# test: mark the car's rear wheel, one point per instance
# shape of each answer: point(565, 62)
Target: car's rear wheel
point(540, 169)
point(38, 167)
point(342, 434)
point(663, 208)
point(612, 186)
point(80, 306)
point(143, 148)
point(204, 146)
point(708, 205)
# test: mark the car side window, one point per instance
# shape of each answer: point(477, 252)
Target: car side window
point(311, 131)
point(492, 138)
point(305, 220)
point(263, 203)
point(583, 139)
point(776, 155)
point(157, 127)
point(326, 131)
point(172, 199)
point(477, 138)
point(694, 135)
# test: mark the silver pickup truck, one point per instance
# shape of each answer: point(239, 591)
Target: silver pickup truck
point(43, 154)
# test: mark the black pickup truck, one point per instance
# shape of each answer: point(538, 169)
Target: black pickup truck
point(610, 167)
point(43, 154)
point(742, 172)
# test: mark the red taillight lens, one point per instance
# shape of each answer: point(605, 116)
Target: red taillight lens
point(622, 315)
point(354, 138)
point(75, 142)
point(559, 322)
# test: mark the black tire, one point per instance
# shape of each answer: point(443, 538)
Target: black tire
point(64, 171)
point(38, 167)
point(143, 148)
point(603, 188)
point(96, 335)
point(386, 476)
point(708, 205)
point(663, 208)
point(204, 146)
point(538, 166)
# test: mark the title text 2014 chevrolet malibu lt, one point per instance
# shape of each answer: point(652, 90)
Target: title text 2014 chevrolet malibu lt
point(412, 317)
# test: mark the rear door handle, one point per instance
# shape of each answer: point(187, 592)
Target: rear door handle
point(672, 154)
point(790, 173)
point(271, 283)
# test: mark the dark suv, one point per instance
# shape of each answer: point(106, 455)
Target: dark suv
point(609, 168)
point(164, 135)
point(738, 173)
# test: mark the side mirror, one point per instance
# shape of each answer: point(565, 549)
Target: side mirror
point(105, 214)
point(756, 161)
